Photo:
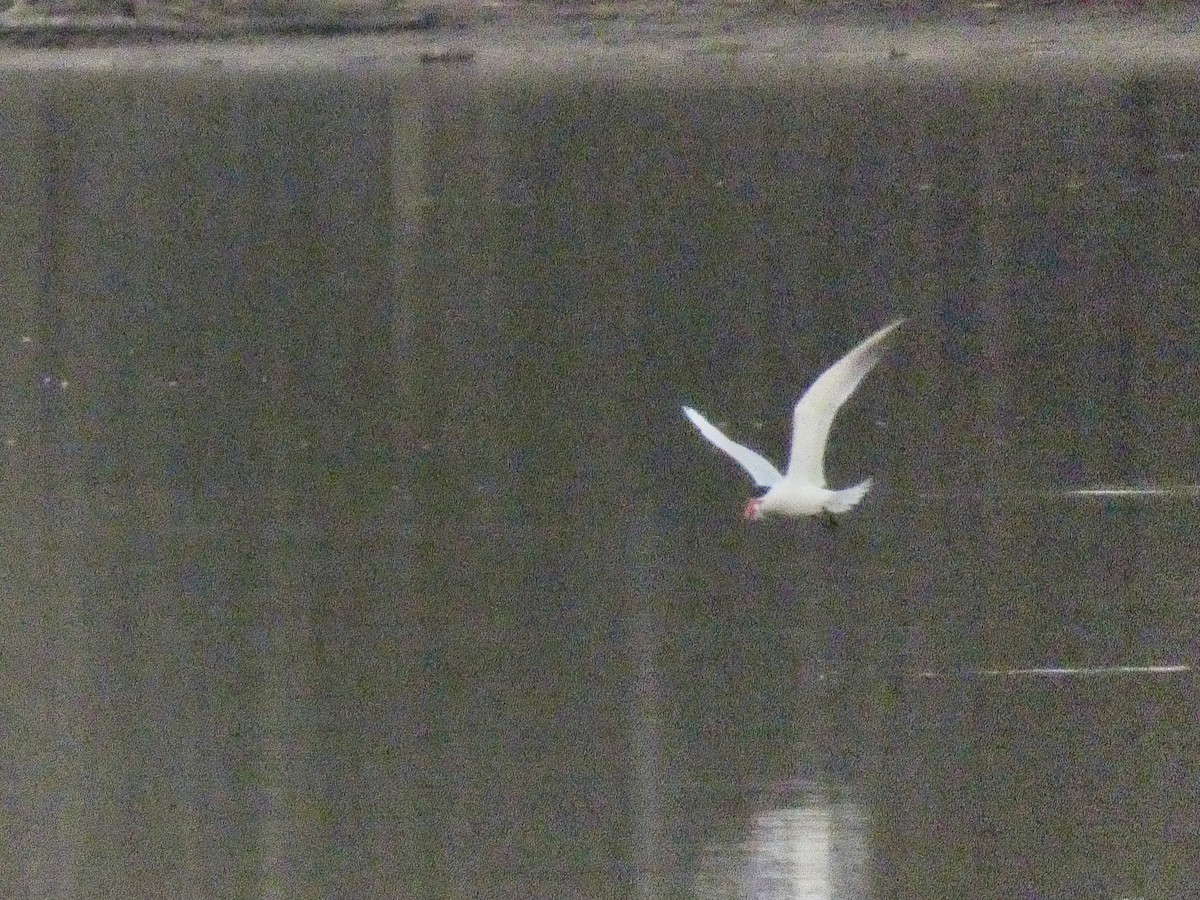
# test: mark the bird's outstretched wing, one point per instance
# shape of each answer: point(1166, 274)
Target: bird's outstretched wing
point(760, 468)
point(815, 410)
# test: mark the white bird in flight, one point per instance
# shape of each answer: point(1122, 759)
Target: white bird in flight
point(802, 491)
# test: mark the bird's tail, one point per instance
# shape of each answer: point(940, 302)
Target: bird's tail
point(845, 499)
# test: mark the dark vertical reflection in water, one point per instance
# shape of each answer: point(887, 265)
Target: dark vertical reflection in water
point(208, 455)
point(45, 650)
point(321, 374)
point(456, 426)
point(520, 571)
point(406, 837)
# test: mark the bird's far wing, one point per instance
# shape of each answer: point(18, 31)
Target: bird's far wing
point(815, 410)
point(760, 469)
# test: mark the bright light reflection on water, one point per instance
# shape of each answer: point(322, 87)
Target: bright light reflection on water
point(798, 850)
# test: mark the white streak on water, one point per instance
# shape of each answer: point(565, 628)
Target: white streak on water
point(1056, 672)
point(1113, 491)
point(1130, 491)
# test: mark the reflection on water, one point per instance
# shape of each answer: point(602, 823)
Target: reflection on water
point(1160, 491)
point(800, 847)
point(1060, 672)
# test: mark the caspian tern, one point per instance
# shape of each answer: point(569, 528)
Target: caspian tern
point(802, 491)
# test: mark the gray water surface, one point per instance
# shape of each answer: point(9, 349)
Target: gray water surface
point(355, 545)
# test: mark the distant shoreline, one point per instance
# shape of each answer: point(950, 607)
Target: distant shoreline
point(729, 29)
point(115, 30)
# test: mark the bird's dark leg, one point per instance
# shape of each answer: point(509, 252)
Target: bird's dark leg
point(830, 521)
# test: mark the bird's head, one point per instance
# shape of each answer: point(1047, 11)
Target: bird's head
point(753, 511)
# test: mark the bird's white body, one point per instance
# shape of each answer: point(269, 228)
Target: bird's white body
point(802, 490)
point(789, 498)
